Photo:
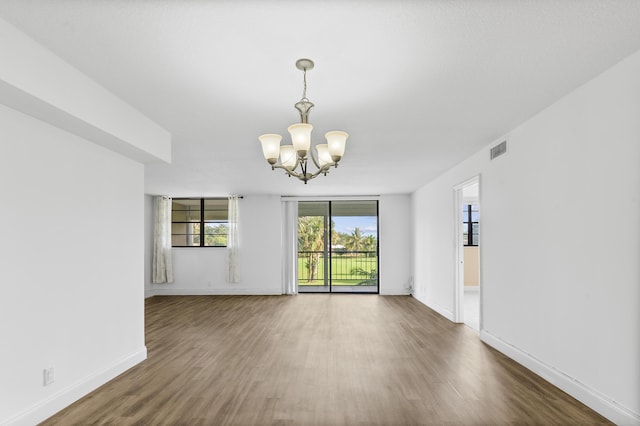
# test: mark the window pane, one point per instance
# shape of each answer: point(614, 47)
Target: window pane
point(185, 211)
point(216, 210)
point(185, 240)
point(475, 231)
point(179, 216)
point(215, 240)
point(185, 234)
point(178, 240)
point(216, 229)
point(216, 215)
point(185, 204)
point(215, 234)
point(185, 228)
point(185, 216)
point(216, 204)
point(354, 229)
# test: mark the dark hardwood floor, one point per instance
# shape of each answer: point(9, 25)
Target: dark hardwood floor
point(322, 360)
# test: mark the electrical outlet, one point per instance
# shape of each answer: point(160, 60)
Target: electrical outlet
point(48, 376)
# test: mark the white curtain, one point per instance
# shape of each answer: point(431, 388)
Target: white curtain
point(290, 247)
point(233, 242)
point(162, 263)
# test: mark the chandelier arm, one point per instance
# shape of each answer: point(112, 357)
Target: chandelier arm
point(290, 172)
point(324, 170)
point(293, 173)
point(313, 157)
point(304, 176)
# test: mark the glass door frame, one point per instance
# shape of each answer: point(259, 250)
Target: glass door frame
point(328, 249)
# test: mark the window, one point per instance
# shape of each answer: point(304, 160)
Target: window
point(199, 222)
point(470, 225)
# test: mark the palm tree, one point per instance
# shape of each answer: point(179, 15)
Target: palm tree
point(356, 240)
point(311, 240)
point(370, 243)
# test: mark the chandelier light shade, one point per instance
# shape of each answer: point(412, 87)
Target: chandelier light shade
point(301, 137)
point(288, 157)
point(337, 141)
point(271, 147)
point(324, 157)
point(294, 157)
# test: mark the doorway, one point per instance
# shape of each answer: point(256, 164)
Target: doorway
point(467, 286)
point(338, 247)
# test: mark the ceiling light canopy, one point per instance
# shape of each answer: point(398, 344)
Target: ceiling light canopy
point(295, 156)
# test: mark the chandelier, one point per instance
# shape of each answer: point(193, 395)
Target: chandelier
point(296, 155)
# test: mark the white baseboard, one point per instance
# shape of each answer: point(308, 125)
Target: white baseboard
point(238, 292)
point(395, 292)
point(432, 305)
point(590, 397)
point(68, 395)
point(216, 291)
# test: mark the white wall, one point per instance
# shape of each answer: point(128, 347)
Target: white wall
point(37, 82)
point(71, 229)
point(202, 270)
point(563, 298)
point(395, 244)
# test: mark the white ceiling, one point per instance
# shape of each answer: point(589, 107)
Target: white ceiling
point(419, 85)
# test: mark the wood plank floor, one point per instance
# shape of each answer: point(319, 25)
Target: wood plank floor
point(318, 360)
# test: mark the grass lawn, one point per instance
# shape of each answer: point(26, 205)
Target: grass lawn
point(345, 270)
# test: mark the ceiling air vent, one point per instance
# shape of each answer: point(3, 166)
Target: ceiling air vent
point(499, 149)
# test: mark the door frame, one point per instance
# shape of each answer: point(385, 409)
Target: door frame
point(328, 252)
point(458, 285)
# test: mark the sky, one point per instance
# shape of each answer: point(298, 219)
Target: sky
point(346, 224)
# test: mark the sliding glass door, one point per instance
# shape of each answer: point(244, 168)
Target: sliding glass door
point(338, 246)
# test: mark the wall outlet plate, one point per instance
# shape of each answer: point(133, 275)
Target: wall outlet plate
point(48, 376)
